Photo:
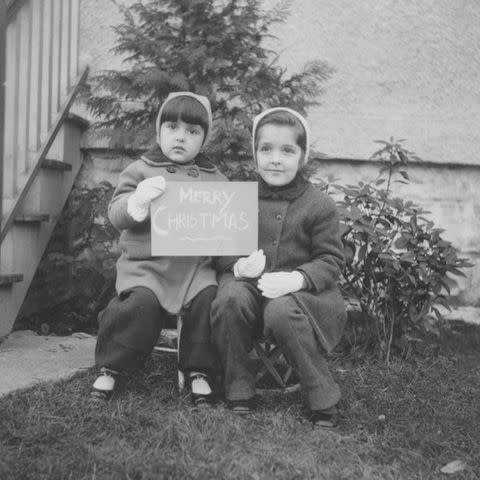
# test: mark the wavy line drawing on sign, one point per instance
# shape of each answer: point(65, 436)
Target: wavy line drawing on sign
point(206, 239)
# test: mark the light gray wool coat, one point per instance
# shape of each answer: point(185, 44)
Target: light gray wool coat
point(174, 280)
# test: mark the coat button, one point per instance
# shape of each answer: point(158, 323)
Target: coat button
point(171, 169)
point(193, 172)
point(278, 216)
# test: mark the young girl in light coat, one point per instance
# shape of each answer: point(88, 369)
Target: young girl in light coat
point(150, 289)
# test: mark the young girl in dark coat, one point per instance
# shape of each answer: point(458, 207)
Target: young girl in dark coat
point(149, 289)
point(288, 288)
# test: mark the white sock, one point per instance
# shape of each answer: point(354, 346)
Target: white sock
point(200, 385)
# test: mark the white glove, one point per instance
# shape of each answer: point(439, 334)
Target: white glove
point(277, 284)
point(251, 266)
point(138, 203)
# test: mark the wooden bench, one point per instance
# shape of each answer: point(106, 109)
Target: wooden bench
point(270, 356)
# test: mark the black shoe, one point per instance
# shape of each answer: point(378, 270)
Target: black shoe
point(100, 396)
point(201, 400)
point(327, 418)
point(241, 407)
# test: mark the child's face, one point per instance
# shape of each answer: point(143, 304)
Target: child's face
point(278, 154)
point(180, 141)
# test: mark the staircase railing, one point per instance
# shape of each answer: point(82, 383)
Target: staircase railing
point(39, 42)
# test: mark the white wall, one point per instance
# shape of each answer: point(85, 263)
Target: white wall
point(407, 68)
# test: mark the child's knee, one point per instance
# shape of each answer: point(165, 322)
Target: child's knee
point(207, 295)
point(231, 298)
point(277, 315)
point(134, 312)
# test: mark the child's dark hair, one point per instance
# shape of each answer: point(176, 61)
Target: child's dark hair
point(287, 119)
point(186, 109)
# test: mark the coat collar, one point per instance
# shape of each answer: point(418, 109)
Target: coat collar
point(156, 157)
point(286, 192)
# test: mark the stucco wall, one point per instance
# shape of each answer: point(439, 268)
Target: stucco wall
point(404, 68)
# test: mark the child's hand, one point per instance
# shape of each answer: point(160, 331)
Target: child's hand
point(147, 190)
point(277, 284)
point(251, 266)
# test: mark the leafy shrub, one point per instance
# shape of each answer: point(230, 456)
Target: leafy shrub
point(397, 259)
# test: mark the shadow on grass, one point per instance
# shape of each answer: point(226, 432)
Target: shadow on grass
point(405, 420)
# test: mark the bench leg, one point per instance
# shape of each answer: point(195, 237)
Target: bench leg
point(181, 376)
point(268, 362)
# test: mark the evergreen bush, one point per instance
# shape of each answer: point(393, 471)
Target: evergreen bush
point(216, 48)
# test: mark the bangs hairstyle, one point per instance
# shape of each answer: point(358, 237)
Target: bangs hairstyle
point(186, 109)
point(283, 118)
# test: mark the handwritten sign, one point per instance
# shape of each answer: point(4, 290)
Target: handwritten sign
point(205, 218)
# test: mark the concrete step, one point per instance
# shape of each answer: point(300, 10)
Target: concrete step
point(50, 164)
point(31, 218)
point(8, 279)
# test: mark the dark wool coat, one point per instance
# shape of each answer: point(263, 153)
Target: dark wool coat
point(304, 234)
point(174, 280)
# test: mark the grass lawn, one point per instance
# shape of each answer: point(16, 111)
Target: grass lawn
point(430, 400)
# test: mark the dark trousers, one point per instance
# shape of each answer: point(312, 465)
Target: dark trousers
point(239, 313)
point(130, 325)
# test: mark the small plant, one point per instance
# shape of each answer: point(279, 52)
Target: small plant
point(397, 259)
point(75, 278)
point(93, 251)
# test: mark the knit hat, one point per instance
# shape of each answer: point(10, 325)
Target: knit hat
point(299, 117)
point(200, 98)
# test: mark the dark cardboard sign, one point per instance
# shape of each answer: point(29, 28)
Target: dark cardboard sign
point(205, 218)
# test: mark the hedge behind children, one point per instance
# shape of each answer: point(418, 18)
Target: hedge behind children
point(149, 289)
point(288, 289)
